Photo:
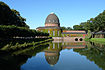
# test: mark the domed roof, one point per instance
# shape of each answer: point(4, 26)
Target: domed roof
point(52, 58)
point(52, 18)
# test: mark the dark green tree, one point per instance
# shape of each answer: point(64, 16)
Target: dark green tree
point(10, 16)
point(78, 27)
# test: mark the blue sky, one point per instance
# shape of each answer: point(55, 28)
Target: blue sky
point(70, 12)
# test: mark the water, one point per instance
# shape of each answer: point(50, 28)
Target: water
point(57, 56)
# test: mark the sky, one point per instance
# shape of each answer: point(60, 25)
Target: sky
point(69, 12)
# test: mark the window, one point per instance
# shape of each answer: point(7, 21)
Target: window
point(41, 30)
point(58, 45)
point(81, 39)
point(53, 33)
point(49, 20)
point(48, 47)
point(76, 39)
point(58, 33)
point(53, 46)
point(49, 31)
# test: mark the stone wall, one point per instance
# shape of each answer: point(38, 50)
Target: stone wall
point(69, 39)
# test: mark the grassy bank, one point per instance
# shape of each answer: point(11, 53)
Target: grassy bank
point(100, 40)
point(17, 46)
point(86, 39)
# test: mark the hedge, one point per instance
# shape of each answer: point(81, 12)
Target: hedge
point(14, 31)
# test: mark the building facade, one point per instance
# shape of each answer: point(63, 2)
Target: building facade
point(52, 26)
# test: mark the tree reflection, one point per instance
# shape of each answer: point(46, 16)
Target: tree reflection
point(13, 60)
point(52, 53)
point(95, 52)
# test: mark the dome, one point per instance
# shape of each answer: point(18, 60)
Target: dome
point(52, 57)
point(52, 19)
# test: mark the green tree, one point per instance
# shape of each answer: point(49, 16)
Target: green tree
point(63, 28)
point(78, 27)
point(69, 28)
point(10, 16)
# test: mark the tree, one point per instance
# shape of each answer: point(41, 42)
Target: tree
point(93, 24)
point(10, 16)
point(69, 28)
point(66, 28)
point(63, 28)
point(78, 27)
point(87, 25)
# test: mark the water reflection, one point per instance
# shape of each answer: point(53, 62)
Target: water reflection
point(54, 53)
point(94, 52)
point(14, 60)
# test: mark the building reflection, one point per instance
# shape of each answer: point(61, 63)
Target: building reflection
point(52, 53)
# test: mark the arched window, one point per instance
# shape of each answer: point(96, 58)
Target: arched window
point(76, 39)
point(49, 20)
point(54, 20)
point(81, 39)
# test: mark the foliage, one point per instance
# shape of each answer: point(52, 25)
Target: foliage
point(10, 16)
point(78, 27)
point(66, 28)
point(95, 54)
point(51, 32)
point(14, 31)
point(14, 60)
point(17, 46)
point(100, 40)
point(12, 24)
point(94, 24)
point(89, 34)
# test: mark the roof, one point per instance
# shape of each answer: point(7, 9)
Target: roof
point(52, 59)
point(73, 33)
point(49, 27)
point(52, 18)
point(100, 32)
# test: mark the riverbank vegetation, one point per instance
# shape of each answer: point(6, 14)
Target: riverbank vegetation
point(14, 60)
point(99, 40)
point(17, 46)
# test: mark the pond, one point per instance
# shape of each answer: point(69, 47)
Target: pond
point(57, 56)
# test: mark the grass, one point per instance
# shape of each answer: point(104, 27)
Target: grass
point(86, 39)
point(99, 40)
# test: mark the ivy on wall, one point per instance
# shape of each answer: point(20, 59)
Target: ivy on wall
point(51, 32)
point(54, 47)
